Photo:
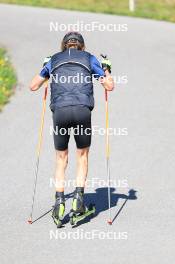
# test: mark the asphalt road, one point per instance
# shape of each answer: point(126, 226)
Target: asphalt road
point(143, 160)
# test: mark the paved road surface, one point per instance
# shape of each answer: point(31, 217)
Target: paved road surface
point(144, 159)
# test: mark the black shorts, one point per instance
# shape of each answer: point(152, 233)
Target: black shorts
point(74, 120)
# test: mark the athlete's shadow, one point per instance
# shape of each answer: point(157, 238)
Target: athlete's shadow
point(100, 199)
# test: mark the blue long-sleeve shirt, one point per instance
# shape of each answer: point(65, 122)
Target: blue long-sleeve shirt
point(96, 68)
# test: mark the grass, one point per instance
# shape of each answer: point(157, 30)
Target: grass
point(155, 9)
point(7, 78)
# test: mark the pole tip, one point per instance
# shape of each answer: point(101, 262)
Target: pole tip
point(109, 222)
point(29, 221)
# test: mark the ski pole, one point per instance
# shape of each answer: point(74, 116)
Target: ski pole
point(30, 221)
point(109, 221)
point(35, 220)
point(107, 157)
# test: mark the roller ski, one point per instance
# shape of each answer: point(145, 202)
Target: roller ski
point(58, 211)
point(79, 210)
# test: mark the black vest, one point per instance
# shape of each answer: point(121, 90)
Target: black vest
point(71, 79)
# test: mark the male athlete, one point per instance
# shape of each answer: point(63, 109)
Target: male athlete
point(71, 103)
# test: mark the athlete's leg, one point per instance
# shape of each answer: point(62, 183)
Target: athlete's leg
point(82, 170)
point(61, 120)
point(82, 166)
point(79, 209)
point(82, 121)
point(59, 207)
point(61, 164)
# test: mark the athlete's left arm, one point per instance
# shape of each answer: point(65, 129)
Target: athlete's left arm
point(37, 82)
point(41, 78)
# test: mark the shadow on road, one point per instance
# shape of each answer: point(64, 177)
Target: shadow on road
point(100, 199)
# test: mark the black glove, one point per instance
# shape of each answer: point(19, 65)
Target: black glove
point(106, 64)
point(46, 60)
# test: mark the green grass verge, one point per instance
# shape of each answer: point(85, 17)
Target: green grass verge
point(7, 78)
point(155, 9)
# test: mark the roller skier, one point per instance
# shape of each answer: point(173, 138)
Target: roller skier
point(71, 105)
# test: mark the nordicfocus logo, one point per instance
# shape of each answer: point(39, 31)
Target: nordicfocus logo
point(90, 183)
point(94, 234)
point(79, 130)
point(92, 26)
point(79, 78)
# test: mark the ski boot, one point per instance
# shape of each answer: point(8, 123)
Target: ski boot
point(79, 210)
point(58, 211)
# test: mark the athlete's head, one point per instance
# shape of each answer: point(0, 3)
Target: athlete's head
point(73, 40)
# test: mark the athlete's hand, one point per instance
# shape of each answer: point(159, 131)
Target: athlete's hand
point(106, 64)
point(107, 81)
point(46, 60)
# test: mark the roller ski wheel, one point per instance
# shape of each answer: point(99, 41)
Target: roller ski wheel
point(58, 212)
point(76, 217)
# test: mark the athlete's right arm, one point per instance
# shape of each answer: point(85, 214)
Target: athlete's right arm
point(107, 81)
point(104, 76)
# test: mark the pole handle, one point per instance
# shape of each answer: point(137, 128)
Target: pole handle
point(45, 93)
point(46, 89)
point(106, 95)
